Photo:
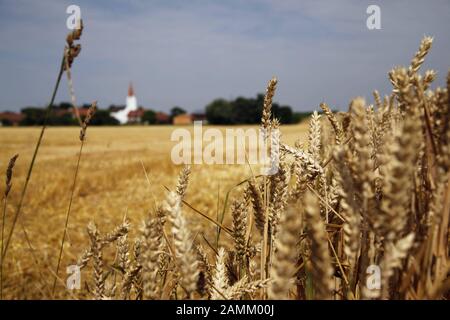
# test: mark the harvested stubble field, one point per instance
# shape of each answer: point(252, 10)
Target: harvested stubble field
point(358, 209)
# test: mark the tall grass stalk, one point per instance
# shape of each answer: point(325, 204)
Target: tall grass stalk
point(72, 191)
point(33, 159)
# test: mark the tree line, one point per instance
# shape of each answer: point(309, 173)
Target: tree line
point(58, 117)
point(248, 111)
point(220, 111)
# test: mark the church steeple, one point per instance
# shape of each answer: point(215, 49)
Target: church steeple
point(130, 90)
point(131, 105)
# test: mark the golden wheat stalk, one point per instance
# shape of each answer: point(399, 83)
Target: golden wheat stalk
point(419, 57)
point(267, 107)
point(337, 127)
point(99, 281)
point(150, 257)
point(220, 279)
point(321, 268)
point(187, 261)
point(285, 256)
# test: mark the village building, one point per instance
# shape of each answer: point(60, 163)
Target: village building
point(11, 118)
point(162, 118)
point(182, 119)
point(135, 116)
point(131, 105)
point(198, 116)
point(186, 118)
point(127, 114)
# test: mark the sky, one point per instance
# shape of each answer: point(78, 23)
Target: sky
point(187, 53)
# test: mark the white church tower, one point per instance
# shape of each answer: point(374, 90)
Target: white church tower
point(122, 115)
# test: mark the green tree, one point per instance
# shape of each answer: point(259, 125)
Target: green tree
point(103, 118)
point(149, 117)
point(283, 113)
point(33, 116)
point(5, 122)
point(298, 117)
point(65, 105)
point(175, 111)
point(61, 120)
point(246, 110)
point(220, 111)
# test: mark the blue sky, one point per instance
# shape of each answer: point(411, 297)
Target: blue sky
point(187, 53)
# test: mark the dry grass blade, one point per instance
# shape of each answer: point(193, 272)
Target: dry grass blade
point(73, 52)
point(9, 173)
point(84, 125)
point(8, 186)
point(33, 159)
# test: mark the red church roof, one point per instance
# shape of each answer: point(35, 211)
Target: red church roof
point(130, 90)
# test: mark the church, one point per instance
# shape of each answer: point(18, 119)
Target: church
point(131, 106)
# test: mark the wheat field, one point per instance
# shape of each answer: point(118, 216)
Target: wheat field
point(358, 209)
point(112, 184)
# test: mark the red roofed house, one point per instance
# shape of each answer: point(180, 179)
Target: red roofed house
point(182, 119)
point(10, 118)
point(135, 116)
point(162, 118)
point(197, 116)
point(185, 118)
